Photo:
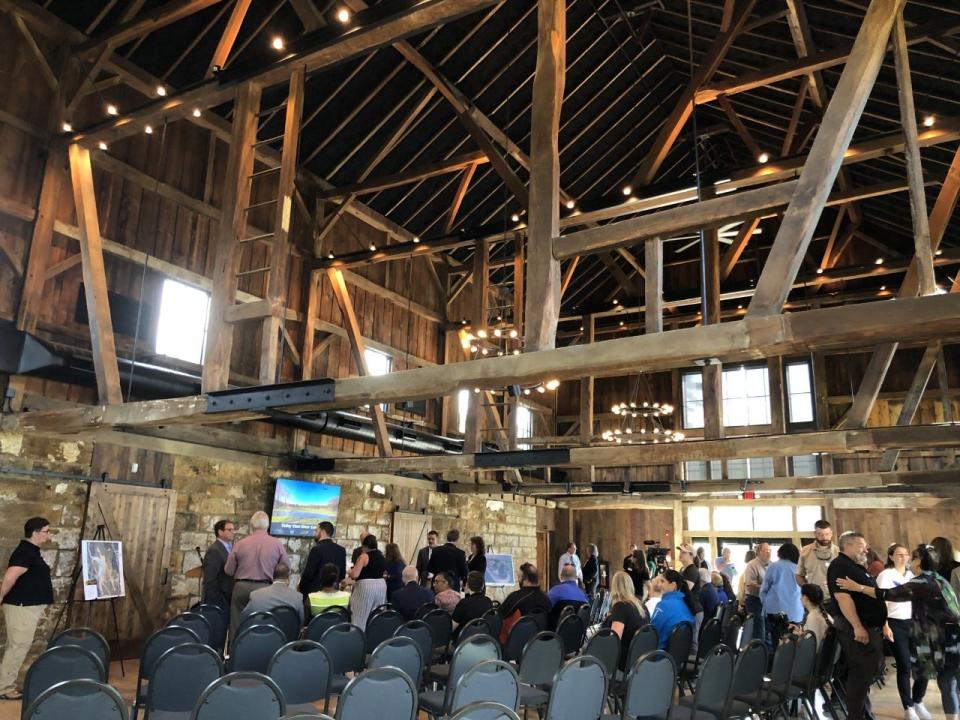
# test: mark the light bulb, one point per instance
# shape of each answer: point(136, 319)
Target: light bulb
point(763, 158)
point(929, 120)
point(161, 91)
point(515, 217)
point(571, 204)
point(343, 16)
point(553, 384)
point(330, 255)
point(526, 391)
point(481, 334)
point(627, 190)
point(497, 332)
point(197, 112)
point(277, 42)
point(67, 127)
point(541, 389)
point(373, 248)
point(112, 109)
point(102, 145)
point(148, 129)
point(819, 271)
point(516, 352)
point(878, 261)
point(513, 333)
point(416, 239)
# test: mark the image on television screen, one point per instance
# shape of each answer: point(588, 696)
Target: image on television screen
point(298, 506)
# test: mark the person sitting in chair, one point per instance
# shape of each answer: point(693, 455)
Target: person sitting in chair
point(276, 595)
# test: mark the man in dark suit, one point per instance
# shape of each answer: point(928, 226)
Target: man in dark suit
point(217, 585)
point(408, 599)
point(423, 557)
point(450, 559)
point(324, 551)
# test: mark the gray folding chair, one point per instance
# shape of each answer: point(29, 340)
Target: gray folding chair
point(307, 716)
point(441, 628)
point(711, 635)
point(572, 632)
point(712, 694)
point(749, 627)
point(649, 688)
point(155, 646)
point(345, 644)
point(485, 711)
point(520, 634)
point(196, 622)
point(253, 648)
point(180, 676)
point(288, 620)
point(678, 645)
point(86, 638)
point(494, 621)
point(321, 623)
point(490, 681)
point(381, 626)
point(219, 619)
point(57, 665)
point(579, 690)
point(470, 652)
point(302, 671)
point(605, 647)
point(419, 632)
point(748, 680)
point(776, 685)
point(804, 669)
point(731, 633)
point(241, 695)
point(402, 653)
point(257, 618)
point(541, 659)
point(477, 626)
point(78, 700)
point(481, 647)
point(378, 694)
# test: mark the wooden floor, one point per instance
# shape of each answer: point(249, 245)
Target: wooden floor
point(886, 704)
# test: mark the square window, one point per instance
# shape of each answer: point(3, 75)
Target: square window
point(182, 324)
point(732, 518)
point(807, 516)
point(799, 392)
point(463, 407)
point(692, 388)
point(805, 465)
point(761, 467)
point(737, 469)
point(524, 425)
point(746, 396)
point(773, 518)
point(698, 517)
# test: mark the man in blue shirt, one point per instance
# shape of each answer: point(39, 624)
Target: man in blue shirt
point(568, 590)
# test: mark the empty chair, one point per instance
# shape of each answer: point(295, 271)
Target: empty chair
point(748, 629)
point(321, 623)
point(86, 638)
point(645, 640)
point(378, 694)
point(78, 700)
point(419, 632)
point(605, 647)
point(485, 711)
point(441, 628)
point(649, 687)
point(572, 631)
point(240, 695)
point(731, 632)
point(155, 646)
point(584, 612)
point(773, 694)
point(477, 626)
point(494, 621)
point(748, 680)
point(710, 637)
point(402, 653)
point(288, 621)
point(307, 716)
point(492, 681)
point(713, 688)
point(803, 674)
point(520, 634)
point(381, 608)
point(579, 690)
point(424, 609)
point(179, 678)
point(482, 647)
point(346, 646)
point(470, 652)
point(301, 669)
point(254, 647)
point(827, 658)
point(678, 645)
point(57, 665)
point(219, 620)
point(381, 626)
point(541, 659)
point(196, 622)
point(256, 618)
point(541, 615)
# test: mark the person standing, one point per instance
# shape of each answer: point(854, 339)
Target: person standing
point(395, 566)
point(859, 621)
point(277, 594)
point(25, 592)
point(753, 582)
point(251, 564)
point(370, 589)
point(570, 558)
point(724, 565)
point(358, 550)
point(816, 557)
point(591, 570)
point(450, 559)
point(780, 595)
point(423, 557)
point(217, 585)
point(324, 551)
point(477, 562)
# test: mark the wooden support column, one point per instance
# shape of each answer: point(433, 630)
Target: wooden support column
point(825, 158)
point(712, 374)
point(586, 387)
point(653, 289)
point(271, 339)
point(543, 270)
point(233, 222)
point(94, 278)
point(918, 199)
point(307, 350)
point(778, 417)
point(357, 346)
point(519, 292)
point(229, 36)
point(473, 434)
point(911, 402)
point(31, 298)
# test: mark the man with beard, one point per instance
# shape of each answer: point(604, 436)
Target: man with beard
point(816, 557)
point(859, 621)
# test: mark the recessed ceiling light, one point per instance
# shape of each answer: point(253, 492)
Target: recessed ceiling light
point(102, 145)
point(929, 120)
point(416, 239)
point(277, 42)
point(161, 91)
point(571, 204)
point(373, 248)
point(196, 112)
point(112, 109)
point(763, 158)
point(515, 217)
point(343, 15)
point(878, 261)
point(148, 129)
point(67, 127)
point(627, 190)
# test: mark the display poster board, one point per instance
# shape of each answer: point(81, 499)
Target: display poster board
point(500, 571)
point(102, 565)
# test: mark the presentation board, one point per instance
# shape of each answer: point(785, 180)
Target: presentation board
point(102, 566)
point(500, 570)
point(299, 505)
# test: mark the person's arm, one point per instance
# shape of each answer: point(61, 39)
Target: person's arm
point(849, 610)
point(752, 579)
point(212, 564)
point(801, 572)
point(310, 568)
point(10, 578)
point(230, 566)
point(901, 593)
point(358, 566)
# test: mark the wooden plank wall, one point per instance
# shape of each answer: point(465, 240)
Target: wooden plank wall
point(614, 530)
point(911, 526)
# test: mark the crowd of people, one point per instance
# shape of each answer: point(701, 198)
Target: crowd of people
point(904, 597)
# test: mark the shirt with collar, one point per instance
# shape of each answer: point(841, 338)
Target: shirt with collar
point(567, 590)
point(872, 612)
point(570, 559)
point(227, 545)
point(780, 592)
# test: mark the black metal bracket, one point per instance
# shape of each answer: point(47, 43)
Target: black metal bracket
point(523, 458)
point(264, 397)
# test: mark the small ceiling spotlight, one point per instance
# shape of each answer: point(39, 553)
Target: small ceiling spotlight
point(161, 91)
point(102, 145)
point(878, 261)
point(627, 190)
point(515, 217)
point(616, 302)
point(343, 16)
point(148, 129)
point(373, 248)
point(416, 239)
point(67, 127)
point(763, 158)
point(571, 204)
point(196, 112)
point(277, 43)
point(938, 252)
point(819, 271)
point(112, 109)
point(552, 384)
point(331, 256)
point(929, 120)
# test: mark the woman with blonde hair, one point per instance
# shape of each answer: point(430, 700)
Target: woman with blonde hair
point(627, 613)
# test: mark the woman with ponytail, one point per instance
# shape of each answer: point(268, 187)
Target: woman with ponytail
point(675, 606)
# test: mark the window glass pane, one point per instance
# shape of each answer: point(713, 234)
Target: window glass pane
point(777, 518)
point(805, 465)
point(182, 325)
point(728, 518)
point(378, 363)
point(799, 392)
point(463, 403)
point(716, 470)
point(801, 408)
point(524, 425)
point(798, 377)
point(693, 400)
point(737, 469)
point(735, 412)
point(695, 470)
point(761, 467)
point(756, 384)
point(807, 515)
point(698, 517)
point(746, 397)
point(734, 383)
point(758, 411)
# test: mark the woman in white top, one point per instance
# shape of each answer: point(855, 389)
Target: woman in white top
point(898, 631)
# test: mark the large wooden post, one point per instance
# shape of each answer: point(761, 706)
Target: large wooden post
point(94, 278)
point(825, 158)
point(653, 288)
point(713, 373)
point(481, 284)
point(586, 387)
point(543, 270)
point(272, 339)
point(233, 221)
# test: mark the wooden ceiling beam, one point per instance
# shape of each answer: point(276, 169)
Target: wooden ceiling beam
point(422, 172)
point(148, 22)
point(228, 37)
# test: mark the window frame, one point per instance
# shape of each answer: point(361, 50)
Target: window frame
point(790, 422)
point(173, 282)
point(367, 353)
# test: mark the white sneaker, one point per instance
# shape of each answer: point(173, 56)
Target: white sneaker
point(922, 712)
point(910, 714)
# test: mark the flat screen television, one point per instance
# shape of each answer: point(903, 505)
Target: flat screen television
point(299, 505)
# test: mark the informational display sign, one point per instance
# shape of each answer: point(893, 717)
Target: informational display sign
point(500, 571)
point(102, 565)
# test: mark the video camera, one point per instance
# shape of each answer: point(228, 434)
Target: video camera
point(656, 555)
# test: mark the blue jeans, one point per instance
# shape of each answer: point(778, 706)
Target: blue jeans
point(753, 605)
point(947, 682)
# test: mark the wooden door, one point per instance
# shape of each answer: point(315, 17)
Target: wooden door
point(410, 533)
point(142, 519)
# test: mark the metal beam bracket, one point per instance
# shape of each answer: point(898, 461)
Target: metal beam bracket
point(523, 458)
point(263, 397)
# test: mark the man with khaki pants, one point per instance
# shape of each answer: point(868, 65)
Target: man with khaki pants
point(25, 592)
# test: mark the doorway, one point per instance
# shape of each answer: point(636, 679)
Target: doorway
point(739, 546)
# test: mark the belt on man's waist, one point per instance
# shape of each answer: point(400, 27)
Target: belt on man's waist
point(258, 582)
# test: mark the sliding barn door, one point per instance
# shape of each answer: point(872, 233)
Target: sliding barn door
point(410, 533)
